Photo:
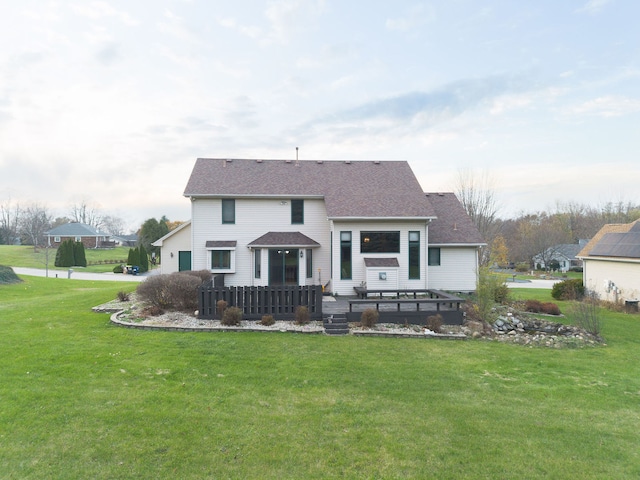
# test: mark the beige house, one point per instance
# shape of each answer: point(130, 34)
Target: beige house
point(612, 263)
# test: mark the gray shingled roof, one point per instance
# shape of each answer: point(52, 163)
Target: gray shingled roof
point(453, 225)
point(381, 262)
point(75, 230)
point(360, 189)
point(284, 239)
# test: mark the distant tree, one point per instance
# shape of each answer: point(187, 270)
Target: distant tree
point(9, 222)
point(65, 254)
point(35, 221)
point(60, 221)
point(499, 254)
point(83, 212)
point(144, 259)
point(79, 257)
point(113, 225)
point(477, 196)
point(150, 231)
point(133, 257)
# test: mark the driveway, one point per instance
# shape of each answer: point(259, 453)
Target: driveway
point(80, 275)
point(535, 283)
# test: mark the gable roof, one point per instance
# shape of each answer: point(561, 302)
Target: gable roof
point(284, 239)
point(567, 250)
point(452, 225)
point(159, 242)
point(362, 189)
point(614, 240)
point(76, 230)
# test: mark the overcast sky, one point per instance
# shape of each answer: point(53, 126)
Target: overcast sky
point(111, 102)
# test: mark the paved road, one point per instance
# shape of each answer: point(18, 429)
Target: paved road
point(535, 283)
point(79, 275)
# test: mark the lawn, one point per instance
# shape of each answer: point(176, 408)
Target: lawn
point(80, 398)
point(25, 256)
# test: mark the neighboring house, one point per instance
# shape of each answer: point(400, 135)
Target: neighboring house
point(612, 262)
point(130, 240)
point(564, 254)
point(340, 224)
point(79, 232)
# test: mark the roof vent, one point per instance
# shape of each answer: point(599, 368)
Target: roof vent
point(348, 162)
point(376, 162)
point(319, 162)
point(229, 160)
point(440, 194)
point(287, 161)
point(259, 160)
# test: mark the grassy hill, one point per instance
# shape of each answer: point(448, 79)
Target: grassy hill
point(81, 398)
point(25, 256)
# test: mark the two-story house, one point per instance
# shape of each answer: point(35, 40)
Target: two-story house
point(336, 223)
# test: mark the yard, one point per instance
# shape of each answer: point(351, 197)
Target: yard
point(80, 398)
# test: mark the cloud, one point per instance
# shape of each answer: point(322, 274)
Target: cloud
point(607, 106)
point(413, 18)
point(593, 7)
point(288, 16)
point(108, 54)
point(96, 10)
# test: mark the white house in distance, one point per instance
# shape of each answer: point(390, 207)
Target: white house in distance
point(612, 263)
point(341, 224)
point(564, 254)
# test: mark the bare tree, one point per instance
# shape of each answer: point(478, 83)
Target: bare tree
point(113, 225)
point(539, 234)
point(9, 222)
point(34, 223)
point(477, 195)
point(82, 212)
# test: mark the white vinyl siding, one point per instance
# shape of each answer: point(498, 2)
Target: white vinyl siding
point(601, 276)
point(457, 270)
point(255, 217)
point(180, 241)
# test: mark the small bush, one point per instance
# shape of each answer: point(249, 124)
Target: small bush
point(550, 308)
point(267, 320)
point(221, 306)
point(176, 291)
point(203, 275)
point(7, 275)
point(302, 315)
point(152, 311)
point(522, 267)
point(118, 269)
point(434, 323)
point(572, 289)
point(533, 306)
point(232, 317)
point(586, 314)
point(369, 318)
point(501, 293)
point(123, 296)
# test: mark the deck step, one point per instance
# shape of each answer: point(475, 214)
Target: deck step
point(336, 325)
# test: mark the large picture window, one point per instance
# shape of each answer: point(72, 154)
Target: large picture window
point(228, 210)
point(379, 242)
point(414, 255)
point(297, 211)
point(345, 255)
point(434, 256)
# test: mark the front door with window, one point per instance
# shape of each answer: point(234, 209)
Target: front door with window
point(283, 266)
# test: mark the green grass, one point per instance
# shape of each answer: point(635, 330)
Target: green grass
point(80, 398)
point(24, 256)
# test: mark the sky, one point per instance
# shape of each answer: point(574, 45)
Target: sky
point(109, 103)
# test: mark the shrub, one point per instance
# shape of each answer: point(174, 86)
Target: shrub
point(134, 257)
point(64, 254)
point(79, 257)
point(203, 275)
point(576, 269)
point(7, 275)
point(123, 296)
point(232, 316)
point(151, 311)
point(501, 293)
point(144, 259)
point(571, 289)
point(434, 323)
point(369, 318)
point(302, 315)
point(176, 291)
point(522, 267)
point(586, 314)
point(533, 306)
point(550, 308)
point(221, 306)
point(118, 269)
point(267, 320)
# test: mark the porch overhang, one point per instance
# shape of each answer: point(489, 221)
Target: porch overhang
point(283, 239)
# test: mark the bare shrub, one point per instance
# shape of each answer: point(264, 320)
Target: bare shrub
point(550, 308)
point(267, 320)
point(369, 318)
point(533, 306)
point(221, 306)
point(586, 314)
point(203, 275)
point(536, 306)
point(176, 291)
point(434, 323)
point(232, 317)
point(302, 315)
point(123, 296)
